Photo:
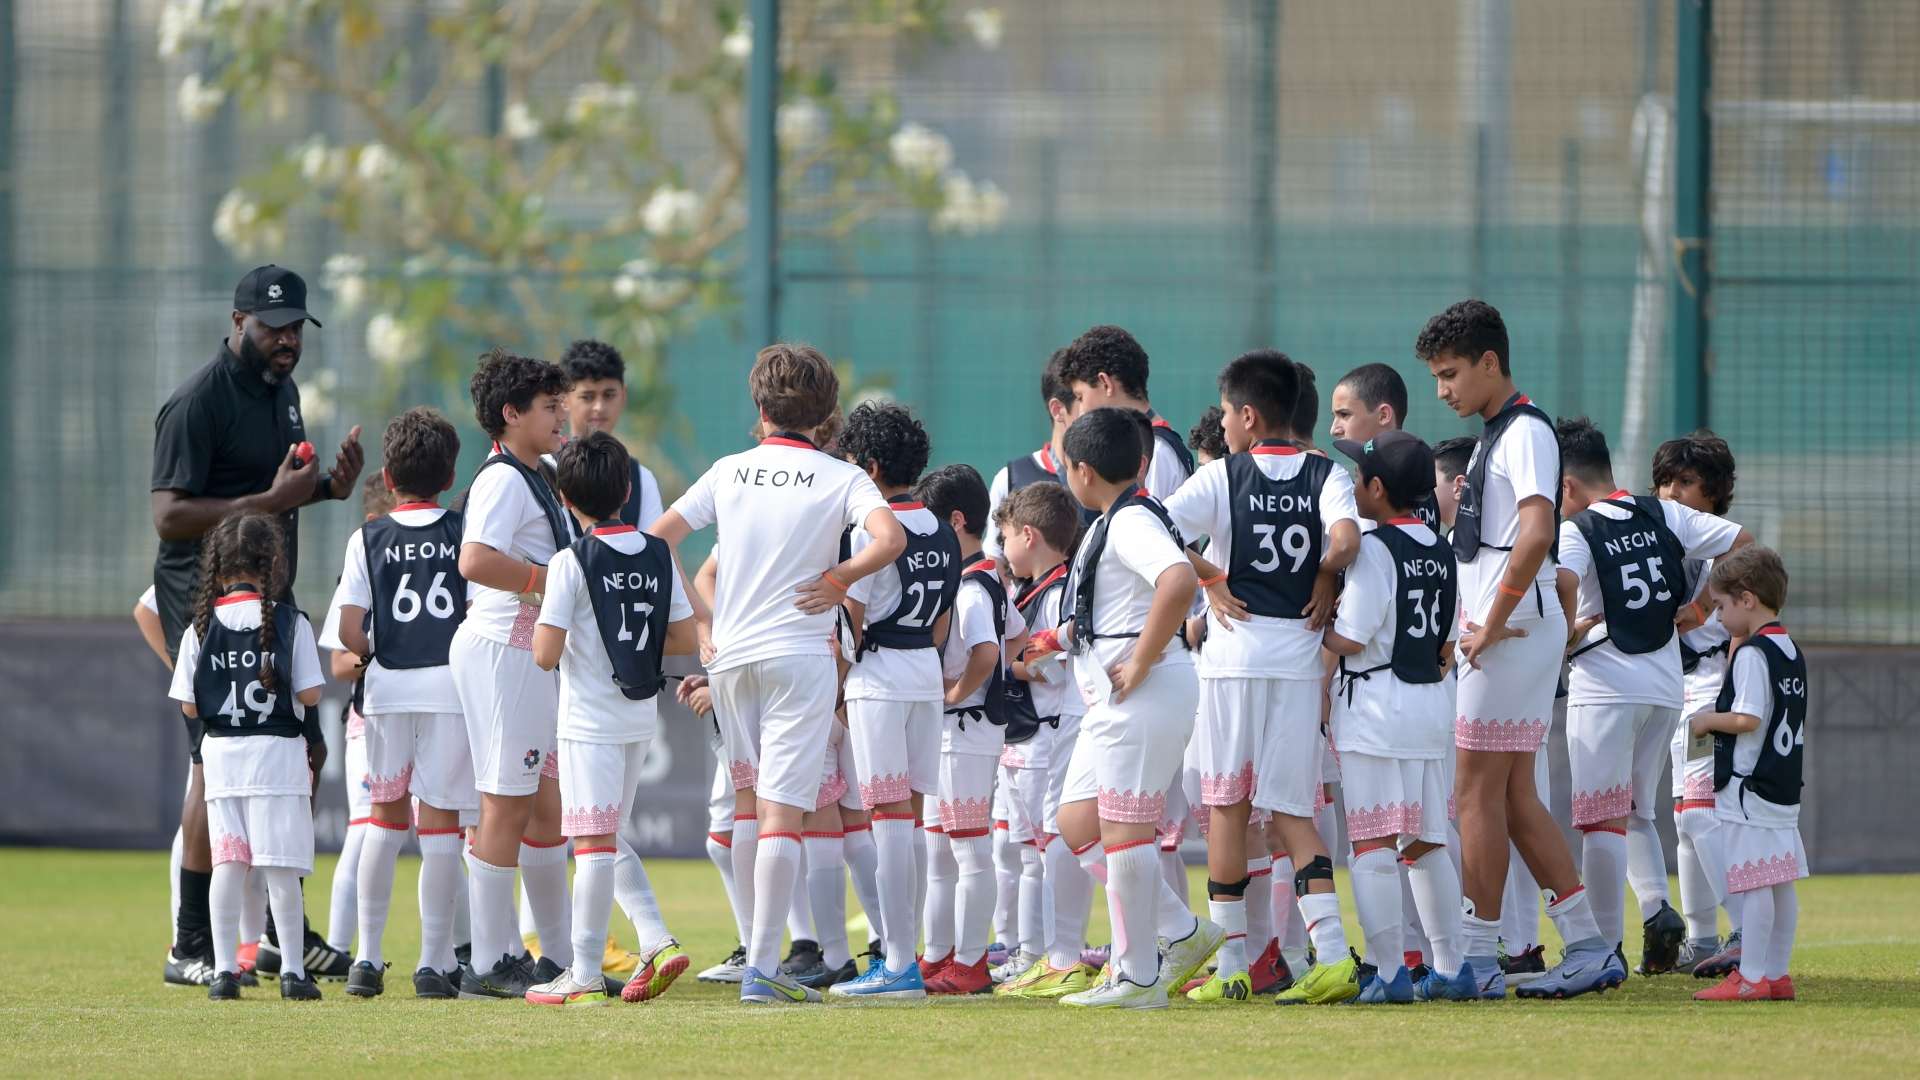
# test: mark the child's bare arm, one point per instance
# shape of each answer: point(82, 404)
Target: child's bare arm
point(189, 710)
point(1731, 723)
point(550, 641)
point(308, 697)
point(1172, 597)
point(344, 666)
point(980, 661)
point(829, 589)
point(152, 632)
point(1340, 646)
point(353, 630)
point(682, 638)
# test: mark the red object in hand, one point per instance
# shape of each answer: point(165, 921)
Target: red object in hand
point(303, 454)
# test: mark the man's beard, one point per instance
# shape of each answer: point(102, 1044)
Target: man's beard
point(260, 363)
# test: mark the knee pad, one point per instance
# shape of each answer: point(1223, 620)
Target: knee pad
point(1227, 888)
point(1320, 868)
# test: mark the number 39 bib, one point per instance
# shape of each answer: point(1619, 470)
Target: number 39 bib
point(1276, 531)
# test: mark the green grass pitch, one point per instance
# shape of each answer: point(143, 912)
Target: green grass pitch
point(84, 934)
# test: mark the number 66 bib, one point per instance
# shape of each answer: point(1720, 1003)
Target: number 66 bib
point(419, 597)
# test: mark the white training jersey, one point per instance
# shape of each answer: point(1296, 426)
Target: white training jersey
point(1525, 464)
point(592, 707)
point(972, 624)
point(1752, 695)
point(1138, 550)
point(1386, 717)
point(503, 513)
point(391, 690)
point(238, 766)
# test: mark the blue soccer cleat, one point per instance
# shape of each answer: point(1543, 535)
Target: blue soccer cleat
point(1585, 971)
point(1395, 989)
point(1437, 987)
point(879, 984)
point(776, 989)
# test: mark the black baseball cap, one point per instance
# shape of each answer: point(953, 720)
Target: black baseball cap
point(1403, 462)
point(274, 295)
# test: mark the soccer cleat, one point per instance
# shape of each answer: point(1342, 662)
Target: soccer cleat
point(225, 986)
point(1269, 971)
point(1736, 987)
point(958, 978)
point(506, 979)
point(1096, 958)
point(434, 985)
point(1325, 984)
point(1014, 984)
point(1584, 972)
point(802, 958)
point(298, 987)
point(564, 991)
point(728, 970)
point(1181, 960)
point(246, 956)
point(367, 981)
point(1691, 955)
point(1013, 966)
point(879, 984)
point(1526, 966)
point(1395, 989)
point(323, 961)
point(833, 976)
point(931, 968)
point(1782, 988)
point(668, 962)
point(997, 954)
point(463, 954)
point(1053, 982)
point(543, 970)
point(1717, 965)
point(1490, 982)
point(247, 978)
point(1661, 936)
point(196, 970)
point(615, 960)
point(776, 989)
point(1237, 987)
point(1437, 987)
point(1417, 972)
point(531, 942)
point(1118, 993)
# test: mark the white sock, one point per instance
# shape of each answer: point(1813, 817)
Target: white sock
point(1093, 860)
point(1072, 904)
point(173, 878)
point(223, 908)
point(863, 866)
point(528, 926)
point(593, 887)
point(1603, 867)
point(1699, 900)
point(379, 850)
point(1259, 904)
point(1756, 933)
point(1174, 870)
point(1134, 880)
point(720, 853)
point(800, 914)
point(1288, 928)
point(439, 881)
point(253, 909)
point(1572, 915)
point(1230, 915)
point(1786, 920)
point(1479, 942)
point(1436, 894)
point(283, 895)
point(462, 909)
point(974, 892)
point(893, 841)
point(827, 891)
point(343, 914)
point(490, 893)
point(1519, 906)
point(1414, 936)
point(1173, 918)
point(1375, 880)
point(919, 877)
point(776, 870)
point(634, 893)
point(543, 871)
point(746, 849)
point(1032, 901)
point(1006, 886)
point(1321, 913)
point(943, 877)
point(1646, 865)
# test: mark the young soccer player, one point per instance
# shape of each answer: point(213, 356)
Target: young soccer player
point(615, 605)
point(1450, 460)
point(399, 610)
point(1281, 525)
point(1132, 589)
point(1368, 400)
point(1697, 470)
point(1393, 721)
point(894, 685)
point(781, 507)
point(1625, 556)
point(1106, 367)
point(513, 524)
point(1759, 729)
point(1040, 466)
point(1206, 439)
point(1510, 650)
point(249, 671)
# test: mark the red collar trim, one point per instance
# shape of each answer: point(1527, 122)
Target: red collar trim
point(1522, 399)
point(983, 564)
point(781, 440)
point(243, 597)
point(1280, 450)
point(901, 508)
point(1623, 493)
point(1144, 493)
point(1052, 576)
point(429, 504)
point(1408, 519)
point(1046, 459)
point(1771, 629)
point(609, 530)
point(1158, 421)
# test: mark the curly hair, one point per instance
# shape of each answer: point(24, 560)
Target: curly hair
point(1702, 455)
point(794, 386)
point(1469, 329)
point(1052, 387)
point(246, 546)
point(1107, 350)
point(587, 360)
point(419, 452)
point(375, 498)
point(504, 379)
point(1206, 436)
point(888, 436)
point(956, 487)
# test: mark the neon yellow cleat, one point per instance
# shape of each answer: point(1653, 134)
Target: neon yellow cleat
point(1015, 986)
point(668, 962)
point(1216, 991)
point(617, 961)
point(532, 942)
point(1054, 983)
point(1325, 984)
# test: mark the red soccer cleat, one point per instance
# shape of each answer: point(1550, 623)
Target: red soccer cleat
point(957, 978)
point(931, 969)
point(1782, 988)
point(1736, 987)
point(246, 955)
point(1269, 975)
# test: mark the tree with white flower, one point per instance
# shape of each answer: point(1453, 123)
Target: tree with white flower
point(568, 213)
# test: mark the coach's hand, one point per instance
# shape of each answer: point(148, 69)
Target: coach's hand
point(1478, 639)
point(347, 465)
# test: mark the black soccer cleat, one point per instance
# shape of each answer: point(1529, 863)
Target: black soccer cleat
point(298, 987)
point(1661, 936)
point(224, 987)
point(1527, 965)
point(1721, 963)
point(505, 979)
point(191, 970)
point(803, 957)
point(541, 971)
point(431, 984)
point(827, 976)
point(323, 961)
point(463, 954)
point(367, 981)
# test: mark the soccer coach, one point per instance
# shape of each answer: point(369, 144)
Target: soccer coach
point(229, 440)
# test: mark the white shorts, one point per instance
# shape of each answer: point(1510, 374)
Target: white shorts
point(896, 748)
point(965, 803)
point(1060, 758)
point(837, 774)
point(262, 830)
point(774, 714)
point(1505, 705)
point(1692, 779)
point(1260, 739)
point(1026, 799)
point(597, 783)
point(359, 784)
point(1614, 755)
point(420, 754)
point(512, 711)
point(1397, 797)
point(1128, 755)
point(1757, 856)
point(1180, 805)
point(720, 803)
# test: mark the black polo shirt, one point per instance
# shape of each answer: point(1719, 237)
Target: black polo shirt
point(222, 435)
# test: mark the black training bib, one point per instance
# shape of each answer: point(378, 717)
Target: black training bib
point(929, 572)
point(558, 519)
point(1776, 775)
point(1023, 717)
point(1087, 567)
point(632, 598)
point(419, 598)
point(994, 707)
point(1466, 518)
point(1277, 534)
point(1641, 568)
point(227, 689)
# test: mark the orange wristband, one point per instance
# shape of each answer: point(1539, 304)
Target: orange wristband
point(1508, 590)
point(533, 576)
point(1215, 580)
point(834, 581)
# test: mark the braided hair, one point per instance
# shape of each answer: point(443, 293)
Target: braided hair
point(245, 546)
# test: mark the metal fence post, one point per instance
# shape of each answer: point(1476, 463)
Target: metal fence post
point(763, 174)
point(1692, 220)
